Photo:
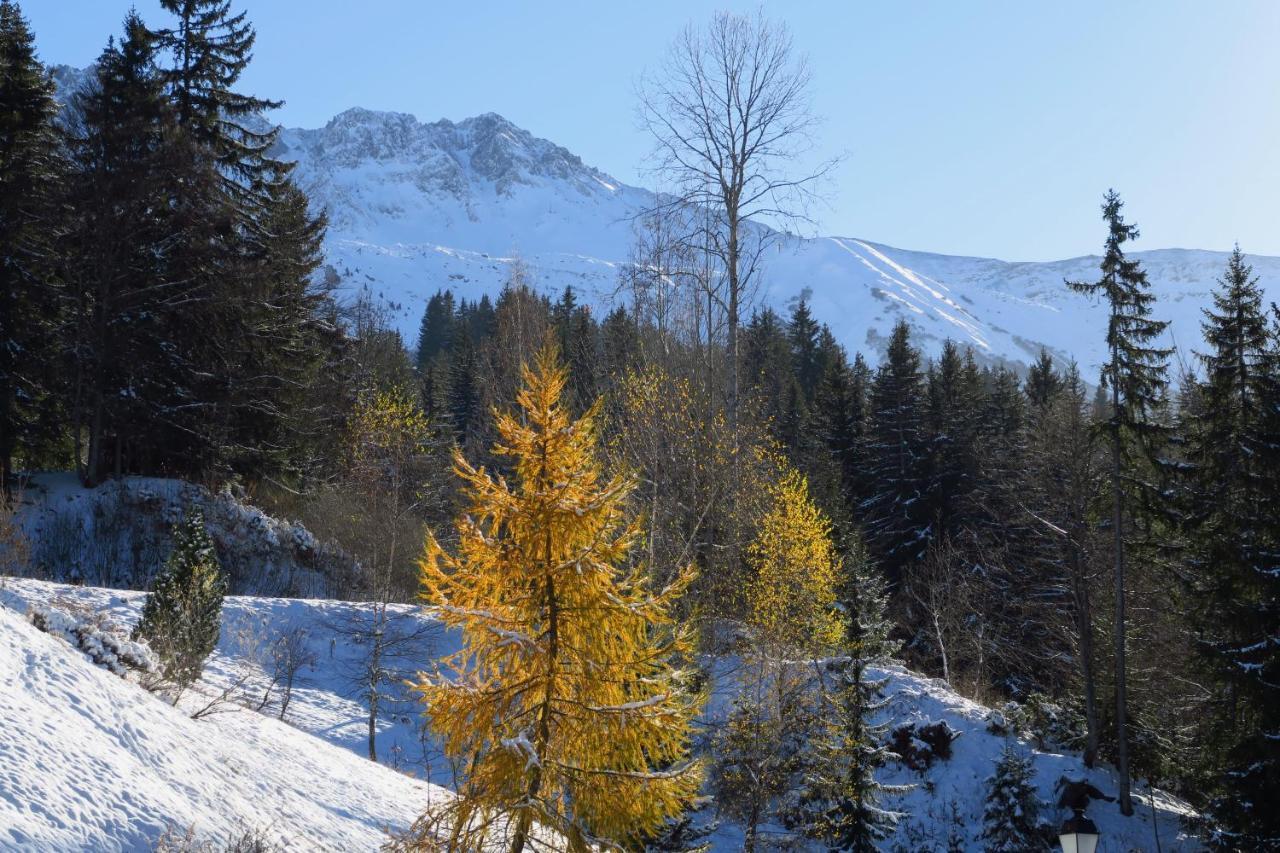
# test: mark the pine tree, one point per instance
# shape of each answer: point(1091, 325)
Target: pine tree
point(954, 395)
point(1135, 376)
point(895, 514)
point(1235, 544)
point(840, 802)
point(436, 332)
point(1011, 821)
point(182, 615)
point(211, 47)
point(125, 156)
point(30, 169)
point(564, 700)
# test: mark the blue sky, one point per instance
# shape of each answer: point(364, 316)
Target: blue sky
point(980, 128)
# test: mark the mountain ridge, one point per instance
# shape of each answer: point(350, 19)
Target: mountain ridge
point(419, 206)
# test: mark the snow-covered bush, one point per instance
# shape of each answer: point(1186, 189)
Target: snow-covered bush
point(1011, 821)
point(175, 840)
point(919, 745)
point(1038, 717)
point(107, 645)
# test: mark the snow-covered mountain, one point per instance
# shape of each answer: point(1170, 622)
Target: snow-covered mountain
point(415, 207)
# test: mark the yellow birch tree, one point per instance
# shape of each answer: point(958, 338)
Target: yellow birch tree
point(564, 702)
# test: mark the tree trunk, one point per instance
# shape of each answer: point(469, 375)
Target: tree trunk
point(732, 271)
point(1117, 521)
point(1084, 624)
point(543, 736)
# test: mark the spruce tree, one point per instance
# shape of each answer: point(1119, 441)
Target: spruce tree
point(182, 615)
point(1043, 382)
point(1011, 821)
point(804, 334)
point(210, 48)
point(896, 515)
point(124, 156)
point(30, 168)
point(954, 395)
point(1135, 377)
point(840, 802)
point(1235, 546)
point(436, 332)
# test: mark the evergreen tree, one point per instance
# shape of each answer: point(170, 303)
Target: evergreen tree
point(766, 373)
point(840, 423)
point(182, 615)
point(804, 334)
point(840, 802)
point(896, 516)
point(563, 701)
point(1043, 382)
point(211, 47)
point(463, 406)
point(1135, 376)
point(952, 417)
point(29, 300)
point(1011, 821)
point(125, 154)
point(1235, 501)
point(436, 332)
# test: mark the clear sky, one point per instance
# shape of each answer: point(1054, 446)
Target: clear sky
point(980, 128)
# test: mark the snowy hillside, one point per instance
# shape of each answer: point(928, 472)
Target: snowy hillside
point(307, 780)
point(416, 207)
point(92, 762)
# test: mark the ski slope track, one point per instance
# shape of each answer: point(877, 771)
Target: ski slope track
point(416, 207)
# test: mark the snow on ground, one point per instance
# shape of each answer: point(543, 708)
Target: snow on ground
point(90, 761)
point(318, 753)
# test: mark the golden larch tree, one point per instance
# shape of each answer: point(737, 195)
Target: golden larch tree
point(792, 597)
point(565, 703)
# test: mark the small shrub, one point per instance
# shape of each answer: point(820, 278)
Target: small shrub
point(182, 616)
point(175, 840)
point(919, 746)
point(106, 644)
point(1045, 721)
point(1011, 821)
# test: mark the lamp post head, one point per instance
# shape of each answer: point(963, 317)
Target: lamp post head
point(1078, 835)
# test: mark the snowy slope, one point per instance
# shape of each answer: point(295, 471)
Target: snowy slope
point(130, 736)
point(90, 761)
point(416, 207)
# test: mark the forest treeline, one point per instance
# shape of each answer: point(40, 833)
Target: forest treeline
point(1109, 543)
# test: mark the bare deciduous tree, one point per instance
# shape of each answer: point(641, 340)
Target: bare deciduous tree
point(730, 119)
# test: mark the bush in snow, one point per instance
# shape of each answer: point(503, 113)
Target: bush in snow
point(182, 616)
point(918, 746)
point(1044, 720)
point(106, 644)
point(1011, 822)
point(175, 840)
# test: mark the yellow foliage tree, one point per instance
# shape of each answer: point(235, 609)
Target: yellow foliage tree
point(564, 701)
point(792, 597)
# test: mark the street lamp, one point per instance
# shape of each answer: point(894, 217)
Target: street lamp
point(1078, 835)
